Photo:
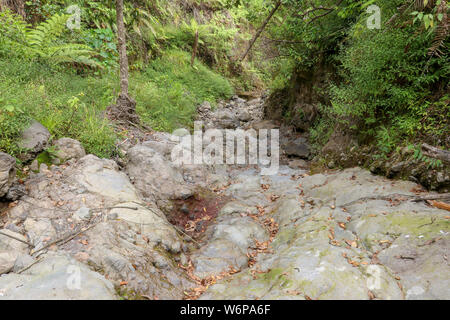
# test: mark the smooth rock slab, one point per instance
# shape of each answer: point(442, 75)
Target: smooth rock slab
point(56, 278)
point(102, 177)
point(369, 249)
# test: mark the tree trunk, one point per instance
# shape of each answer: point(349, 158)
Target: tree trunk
point(261, 29)
point(122, 48)
point(194, 49)
point(125, 108)
point(17, 6)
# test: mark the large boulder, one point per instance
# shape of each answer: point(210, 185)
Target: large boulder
point(67, 149)
point(103, 178)
point(7, 172)
point(154, 176)
point(298, 148)
point(34, 139)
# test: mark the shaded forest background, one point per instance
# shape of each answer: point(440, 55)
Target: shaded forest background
point(364, 96)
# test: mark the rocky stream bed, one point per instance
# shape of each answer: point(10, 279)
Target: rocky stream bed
point(144, 228)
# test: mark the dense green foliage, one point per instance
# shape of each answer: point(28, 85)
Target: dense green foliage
point(42, 79)
point(387, 86)
point(390, 85)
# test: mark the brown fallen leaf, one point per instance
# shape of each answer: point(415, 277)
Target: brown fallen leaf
point(294, 292)
point(123, 283)
point(354, 263)
point(335, 243)
point(12, 204)
point(274, 197)
point(342, 225)
point(190, 226)
point(352, 244)
point(439, 205)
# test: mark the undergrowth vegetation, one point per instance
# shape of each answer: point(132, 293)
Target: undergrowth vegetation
point(169, 90)
point(387, 85)
point(69, 105)
point(66, 79)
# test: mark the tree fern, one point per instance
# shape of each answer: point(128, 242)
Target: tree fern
point(48, 31)
point(46, 42)
point(441, 30)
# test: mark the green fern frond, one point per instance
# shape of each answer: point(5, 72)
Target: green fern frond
point(48, 31)
point(441, 31)
point(44, 42)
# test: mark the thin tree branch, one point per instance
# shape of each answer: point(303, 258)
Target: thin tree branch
point(15, 238)
point(261, 29)
point(327, 10)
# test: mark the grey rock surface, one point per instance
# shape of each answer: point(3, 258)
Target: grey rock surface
point(67, 149)
point(10, 249)
point(298, 148)
point(34, 138)
point(7, 172)
point(56, 277)
point(335, 242)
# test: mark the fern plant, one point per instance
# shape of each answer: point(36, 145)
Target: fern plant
point(46, 42)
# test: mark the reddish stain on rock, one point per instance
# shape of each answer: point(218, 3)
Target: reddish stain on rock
point(195, 214)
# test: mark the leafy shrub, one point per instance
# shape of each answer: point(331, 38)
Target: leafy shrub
point(388, 81)
point(391, 85)
point(102, 41)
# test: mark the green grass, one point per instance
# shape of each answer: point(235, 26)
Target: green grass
point(71, 105)
point(169, 90)
point(67, 104)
